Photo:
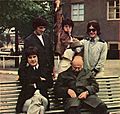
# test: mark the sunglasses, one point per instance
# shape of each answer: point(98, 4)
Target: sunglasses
point(93, 30)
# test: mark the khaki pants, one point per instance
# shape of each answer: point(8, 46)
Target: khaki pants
point(36, 104)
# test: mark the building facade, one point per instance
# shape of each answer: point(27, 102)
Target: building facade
point(106, 12)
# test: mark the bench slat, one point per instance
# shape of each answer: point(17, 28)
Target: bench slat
point(109, 92)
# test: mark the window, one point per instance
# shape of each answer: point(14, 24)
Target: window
point(113, 46)
point(113, 10)
point(77, 12)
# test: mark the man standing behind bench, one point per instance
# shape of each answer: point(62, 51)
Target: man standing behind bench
point(78, 88)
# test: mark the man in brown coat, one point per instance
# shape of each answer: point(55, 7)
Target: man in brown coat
point(78, 88)
point(64, 36)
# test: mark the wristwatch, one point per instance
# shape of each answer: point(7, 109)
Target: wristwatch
point(87, 92)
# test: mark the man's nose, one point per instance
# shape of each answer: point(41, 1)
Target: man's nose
point(77, 69)
point(32, 58)
point(42, 30)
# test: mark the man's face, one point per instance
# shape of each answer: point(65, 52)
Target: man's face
point(32, 60)
point(40, 30)
point(67, 28)
point(92, 32)
point(77, 64)
point(77, 67)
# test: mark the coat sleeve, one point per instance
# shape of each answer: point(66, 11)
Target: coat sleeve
point(60, 89)
point(102, 57)
point(93, 86)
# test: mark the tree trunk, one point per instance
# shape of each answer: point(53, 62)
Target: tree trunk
point(16, 48)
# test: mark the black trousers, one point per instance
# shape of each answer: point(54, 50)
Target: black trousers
point(100, 109)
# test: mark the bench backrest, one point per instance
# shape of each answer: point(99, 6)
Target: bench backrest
point(9, 92)
point(109, 93)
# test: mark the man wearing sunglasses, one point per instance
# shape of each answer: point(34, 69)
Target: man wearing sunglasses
point(95, 49)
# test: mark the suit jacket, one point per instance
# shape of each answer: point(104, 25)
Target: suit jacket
point(80, 83)
point(27, 81)
point(45, 53)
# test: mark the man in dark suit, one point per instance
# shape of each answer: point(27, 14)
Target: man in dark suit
point(78, 88)
point(44, 45)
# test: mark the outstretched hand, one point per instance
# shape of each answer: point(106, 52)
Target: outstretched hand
point(57, 2)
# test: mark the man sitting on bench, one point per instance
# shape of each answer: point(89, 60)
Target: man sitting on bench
point(78, 88)
point(32, 97)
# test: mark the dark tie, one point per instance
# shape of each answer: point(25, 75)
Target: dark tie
point(35, 68)
point(92, 40)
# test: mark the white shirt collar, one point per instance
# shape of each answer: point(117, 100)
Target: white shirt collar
point(41, 39)
point(36, 67)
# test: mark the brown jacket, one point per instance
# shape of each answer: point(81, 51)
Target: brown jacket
point(62, 43)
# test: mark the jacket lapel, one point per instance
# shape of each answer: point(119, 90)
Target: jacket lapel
point(38, 41)
point(70, 74)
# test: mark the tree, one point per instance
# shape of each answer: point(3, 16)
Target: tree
point(19, 14)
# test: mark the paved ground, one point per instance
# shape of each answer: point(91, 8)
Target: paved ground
point(112, 67)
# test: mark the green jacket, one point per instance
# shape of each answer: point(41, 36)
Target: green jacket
point(82, 82)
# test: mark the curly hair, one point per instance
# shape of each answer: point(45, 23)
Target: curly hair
point(39, 21)
point(67, 22)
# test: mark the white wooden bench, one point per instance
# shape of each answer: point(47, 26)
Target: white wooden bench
point(109, 93)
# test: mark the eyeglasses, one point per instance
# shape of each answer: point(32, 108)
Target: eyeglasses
point(93, 30)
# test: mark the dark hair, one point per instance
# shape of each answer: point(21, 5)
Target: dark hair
point(31, 51)
point(95, 24)
point(39, 21)
point(67, 22)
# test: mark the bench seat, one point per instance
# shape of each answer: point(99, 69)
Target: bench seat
point(109, 92)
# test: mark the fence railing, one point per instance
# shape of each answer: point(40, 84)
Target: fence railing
point(8, 60)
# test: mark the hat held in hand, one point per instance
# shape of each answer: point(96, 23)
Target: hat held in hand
point(77, 47)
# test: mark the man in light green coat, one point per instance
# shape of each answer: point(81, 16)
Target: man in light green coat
point(95, 49)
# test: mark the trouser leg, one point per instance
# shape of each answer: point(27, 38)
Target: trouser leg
point(73, 110)
point(26, 105)
point(45, 102)
point(20, 102)
point(42, 110)
point(100, 109)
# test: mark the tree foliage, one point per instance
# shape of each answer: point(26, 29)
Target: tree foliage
point(20, 13)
